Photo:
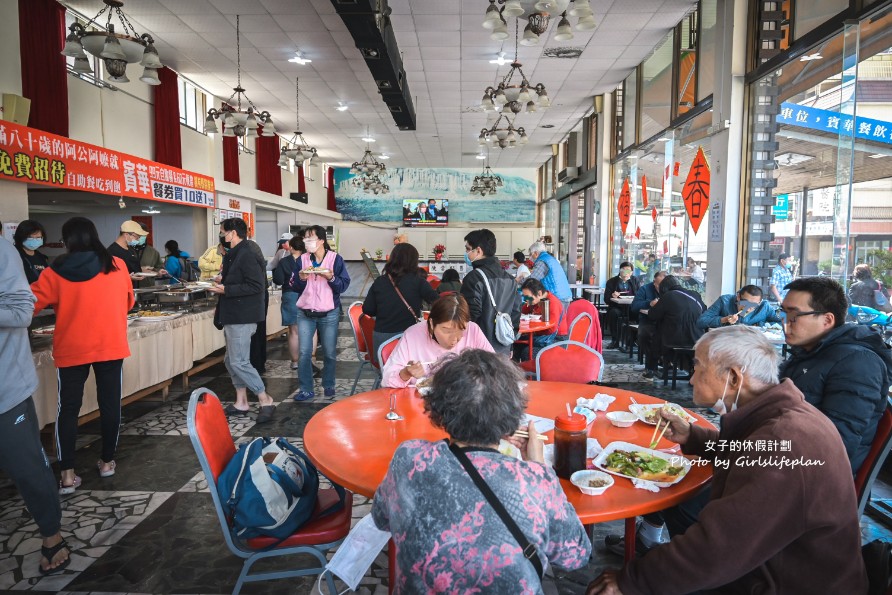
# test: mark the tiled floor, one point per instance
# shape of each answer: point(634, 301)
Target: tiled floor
point(152, 529)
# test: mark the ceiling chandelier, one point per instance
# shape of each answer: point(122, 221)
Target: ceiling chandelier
point(514, 96)
point(238, 121)
point(368, 172)
point(538, 15)
point(486, 183)
point(296, 147)
point(505, 137)
point(116, 50)
point(371, 184)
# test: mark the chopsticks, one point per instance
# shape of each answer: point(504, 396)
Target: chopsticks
point(654, 440)
point(525, 434)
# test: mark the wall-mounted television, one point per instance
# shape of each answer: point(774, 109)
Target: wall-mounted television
point(426, 213)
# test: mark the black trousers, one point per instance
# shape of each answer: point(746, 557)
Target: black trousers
point(646, 337)
point(23, 460)
point(258, 342)
point(71, 397)
point(614, 319)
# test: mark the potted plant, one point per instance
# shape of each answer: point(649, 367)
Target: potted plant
point(379, 254)
point(439, 250)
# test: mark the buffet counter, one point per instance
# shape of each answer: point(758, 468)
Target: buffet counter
point(159, 351)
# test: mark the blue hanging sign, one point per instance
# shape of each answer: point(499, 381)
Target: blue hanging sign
point(828, 121)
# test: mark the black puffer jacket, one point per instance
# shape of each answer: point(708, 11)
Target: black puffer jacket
point(847, 376)
point(863, 293)
point(676, 316)
point(244, 282)
point(504, 291)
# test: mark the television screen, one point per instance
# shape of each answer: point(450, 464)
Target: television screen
point(426, 213)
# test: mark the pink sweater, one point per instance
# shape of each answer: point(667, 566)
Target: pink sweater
point(417, 345)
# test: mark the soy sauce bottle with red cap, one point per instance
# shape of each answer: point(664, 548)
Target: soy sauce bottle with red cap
point(570, 441)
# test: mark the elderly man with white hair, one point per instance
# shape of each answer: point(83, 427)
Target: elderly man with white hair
point(767, 528)
point(549, 271)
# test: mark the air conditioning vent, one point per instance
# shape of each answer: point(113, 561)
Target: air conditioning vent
point(568, 175)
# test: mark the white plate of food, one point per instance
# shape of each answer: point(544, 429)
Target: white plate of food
point(624, 299)
point(531, 317)
point(156, 315)
point(423, 385)
point(649, 414)
point(145, 274)
point(636, 462)
point(46, 331)
point(315, 271)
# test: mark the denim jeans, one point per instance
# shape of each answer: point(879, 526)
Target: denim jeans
point(238, 357)
point(328, 341)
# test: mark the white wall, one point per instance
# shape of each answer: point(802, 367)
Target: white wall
point(11, 72)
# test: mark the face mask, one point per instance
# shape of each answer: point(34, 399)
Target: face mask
point(141, 241)
point(719, 407)
point(133, 243)
point(33, 243)
point(468, 260)
point(355, 555)
point(222, 239)
point(311, 245)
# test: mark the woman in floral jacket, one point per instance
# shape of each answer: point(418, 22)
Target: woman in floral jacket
point(447, 536)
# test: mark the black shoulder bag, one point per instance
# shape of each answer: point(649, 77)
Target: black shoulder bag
point(530, 551)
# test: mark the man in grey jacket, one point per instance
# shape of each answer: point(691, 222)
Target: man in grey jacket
point(21, 454)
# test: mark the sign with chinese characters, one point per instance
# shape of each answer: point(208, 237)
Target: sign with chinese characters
point(803, 116)
point(624, 206)
point(37, 157)
point(716, 232)
point(695, 191)
point(235, 208)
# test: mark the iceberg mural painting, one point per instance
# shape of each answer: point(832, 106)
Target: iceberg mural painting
point(514, 203)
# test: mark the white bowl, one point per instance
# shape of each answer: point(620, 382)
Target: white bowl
point(622, 419)
point(581, 478)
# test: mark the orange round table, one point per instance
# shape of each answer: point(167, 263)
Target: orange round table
point(352, 443)
point(530, 328)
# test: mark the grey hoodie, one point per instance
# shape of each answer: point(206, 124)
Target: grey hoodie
point(16, 310)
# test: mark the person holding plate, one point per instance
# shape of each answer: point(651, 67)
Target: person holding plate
point(321, 279)
point(765, 528)
point(78, 285)
point(447, 330)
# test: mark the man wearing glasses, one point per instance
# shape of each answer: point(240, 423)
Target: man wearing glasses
point(843, 369)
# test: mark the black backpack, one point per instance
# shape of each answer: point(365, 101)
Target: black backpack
point(188, 272)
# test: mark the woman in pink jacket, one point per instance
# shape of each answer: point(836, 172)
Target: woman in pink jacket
point(448, 329)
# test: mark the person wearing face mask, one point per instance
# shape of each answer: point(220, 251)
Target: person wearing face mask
point(28, 237)
point(484, 269)
point(320, 278)
point(211, 261)
point(781, 275)
point(765, 528)
point(124, 247)
point(623, 285)
point(534, 294)
point(744, 307)
point(448, 329)
point(149, 259)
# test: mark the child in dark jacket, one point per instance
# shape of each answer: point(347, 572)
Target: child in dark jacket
point(449, 282)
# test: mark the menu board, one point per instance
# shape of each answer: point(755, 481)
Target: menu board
point(370, 264)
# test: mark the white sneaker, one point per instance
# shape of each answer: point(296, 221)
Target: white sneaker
point(293, 365)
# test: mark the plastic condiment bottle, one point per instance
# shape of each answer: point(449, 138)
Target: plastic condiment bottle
point(570, 441)
point(546, 310)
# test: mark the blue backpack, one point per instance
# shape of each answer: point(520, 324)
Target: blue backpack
point(269, 489)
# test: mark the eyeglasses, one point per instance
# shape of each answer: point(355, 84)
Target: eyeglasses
point(792, 317)
point(468, 248)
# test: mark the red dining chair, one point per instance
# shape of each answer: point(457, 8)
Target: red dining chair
point(386, 349)
point(367, 326)
point(876, 456)
point(362, 348)
point(580, 327)
point(434, 281)
point(594, 339)
point(209, 432)
point(569, 361)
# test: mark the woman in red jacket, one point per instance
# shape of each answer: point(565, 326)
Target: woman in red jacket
point(91, 293)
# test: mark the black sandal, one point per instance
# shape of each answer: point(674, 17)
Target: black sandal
point(231, 410)
point(266, 414)
point(49, 553)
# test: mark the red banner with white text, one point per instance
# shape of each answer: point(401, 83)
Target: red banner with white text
point(37, 157)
